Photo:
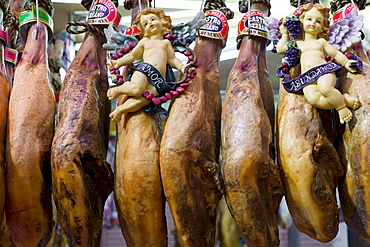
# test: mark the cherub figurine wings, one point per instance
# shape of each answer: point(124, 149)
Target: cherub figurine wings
point(346, 31)
point(343, 33)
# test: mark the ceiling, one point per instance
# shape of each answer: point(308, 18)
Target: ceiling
point(182, 11)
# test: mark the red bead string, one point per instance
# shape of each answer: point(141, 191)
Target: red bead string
point(150, 96)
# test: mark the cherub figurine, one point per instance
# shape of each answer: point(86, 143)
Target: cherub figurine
point(315, 49)
point(148, 76)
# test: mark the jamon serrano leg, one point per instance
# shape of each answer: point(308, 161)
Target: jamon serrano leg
point(138, 190)
point(82, 179)
point(354, 148)
point(252, 179)
point(4, 103)
point(310, 165)
point(267, 93)
point(190, 150)
point(29, 137)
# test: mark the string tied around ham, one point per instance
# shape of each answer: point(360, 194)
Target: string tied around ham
point(45, 4)
point(338, 4)
point(36, 11)
point(298, 3)
point(11, 24)
point(244, 7)
point(129, 4)
point(218, 5)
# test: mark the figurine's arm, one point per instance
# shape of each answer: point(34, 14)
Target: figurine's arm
point(281, 46)
point(135, 54)
point(339, 56)
point(172, 60)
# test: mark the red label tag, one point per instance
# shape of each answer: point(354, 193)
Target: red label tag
point(132, 30)
point(10, 55)
point(2, 36)
point(216, 26)
point(257, 23)
point(343, 12)
point(102, 12)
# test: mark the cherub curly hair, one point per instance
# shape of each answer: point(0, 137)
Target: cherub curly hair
point(324, 10)
point(166, 20)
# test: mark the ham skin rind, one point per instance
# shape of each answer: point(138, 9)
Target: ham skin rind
point(190, 150)
point(138, 187)
point(353, 149)
point(252, 180)
point(29, 136)
point(82, 179)
point(4, 103)
point(310, 165)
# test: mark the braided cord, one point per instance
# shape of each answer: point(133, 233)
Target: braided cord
point(337, 4)
point(218, 5)
point(3, 5)
point(295, 3)
point(243, 5)
point(11, 23)
point(86, 28)
point(45, 4)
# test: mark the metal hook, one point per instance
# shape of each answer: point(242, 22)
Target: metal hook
point(140, 8)
point(37, 19)
point(249, 19)
point(201, 5)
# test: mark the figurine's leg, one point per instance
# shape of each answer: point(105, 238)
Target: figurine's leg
point(131, 105)
point(315, 98)
point(351, 101)
point(135, 87)
point(345, 114)
point(333, 96)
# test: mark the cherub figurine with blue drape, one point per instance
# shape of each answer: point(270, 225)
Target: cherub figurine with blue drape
point(151, 81)
point(319, 60)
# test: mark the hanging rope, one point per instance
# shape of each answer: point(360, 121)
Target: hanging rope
point(45, 4)
point(297, 3)
point(218, 5)
point(3, 5)
point(337, 4)
point(86, 27)
point(243, 5)
point(11, 25)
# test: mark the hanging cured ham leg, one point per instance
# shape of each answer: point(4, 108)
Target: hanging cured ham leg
point(4, 102)
point(309, 161)
point(82, 179)
point(354, 155)
point(138, 189)
point(29, 137)
point(311, 167)
point(190, 150)
point(252, 179)
point(354, 190)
